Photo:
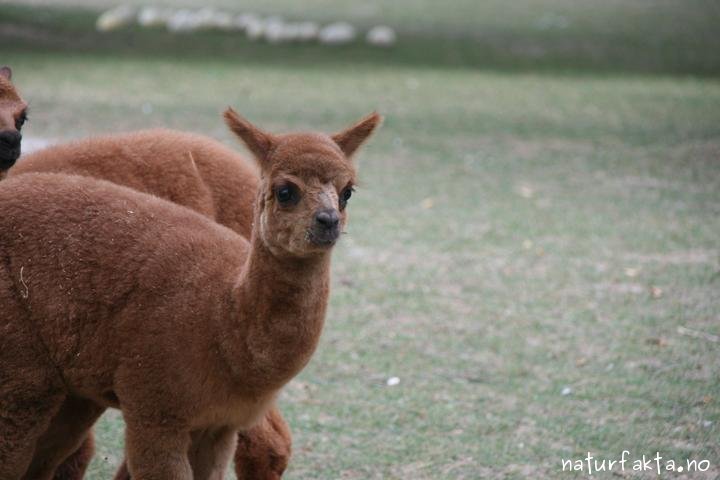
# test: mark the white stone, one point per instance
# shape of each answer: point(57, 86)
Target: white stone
point(203, 18)
point(244, 19)
point(381, 36)
point(223, 21)
point(307, 31)
point(206, 18)
point(254, 29)
point(182, 21)
point(337, 33)
point(153, 17)
point(277, 31)
point(115, 18)
point(274, 30)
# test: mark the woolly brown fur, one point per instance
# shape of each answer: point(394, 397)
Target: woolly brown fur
point(185, 168)
point(121, 299)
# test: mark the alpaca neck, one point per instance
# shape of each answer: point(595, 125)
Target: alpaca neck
point(281, 305)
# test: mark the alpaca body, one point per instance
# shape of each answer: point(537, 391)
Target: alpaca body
point(105, 303)
point(189, 369)
point(185, 168)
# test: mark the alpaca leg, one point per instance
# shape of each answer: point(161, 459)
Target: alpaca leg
point(73, 468)
point(68, 430)
point(24, 417)
point(157, 453)
point(122, 472)
point(210, 453)
point(30, 394)
point(263, 452)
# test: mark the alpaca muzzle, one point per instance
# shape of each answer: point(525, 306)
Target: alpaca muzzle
point(9, 148)
point(326, 227)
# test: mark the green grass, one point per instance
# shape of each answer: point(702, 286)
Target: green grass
point(505, 243)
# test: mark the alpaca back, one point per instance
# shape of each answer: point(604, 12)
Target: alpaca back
point(94, 263)
point(188, 169)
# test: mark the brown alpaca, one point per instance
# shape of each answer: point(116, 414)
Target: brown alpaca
point(191, 170)
point(202, 174)
point(115, 298)
point(13, 114)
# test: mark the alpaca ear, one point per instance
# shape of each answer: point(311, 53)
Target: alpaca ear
point(259, 142)
point(349, 140)
point(6, 72)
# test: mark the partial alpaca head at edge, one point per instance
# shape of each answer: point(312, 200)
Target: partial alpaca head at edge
point(307, 180)
point(13, 114)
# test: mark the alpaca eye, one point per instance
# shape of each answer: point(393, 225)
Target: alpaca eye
point(345, 196)
point(20, 121)
point(287, 194)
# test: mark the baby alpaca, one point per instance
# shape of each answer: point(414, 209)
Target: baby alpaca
point(202, 174)
point(13, 114)
point(120, 299)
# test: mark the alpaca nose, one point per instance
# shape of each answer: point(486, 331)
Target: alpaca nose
point(10, 139)
point(9, 148)
point(328, 218)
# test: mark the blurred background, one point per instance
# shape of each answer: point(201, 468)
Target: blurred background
point(532, 270)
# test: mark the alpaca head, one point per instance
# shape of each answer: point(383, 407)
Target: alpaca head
point(307, 181)
point(13, 113)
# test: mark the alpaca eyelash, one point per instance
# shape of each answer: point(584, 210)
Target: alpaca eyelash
point(22, 119)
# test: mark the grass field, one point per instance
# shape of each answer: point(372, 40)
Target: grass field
point(534, 253)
